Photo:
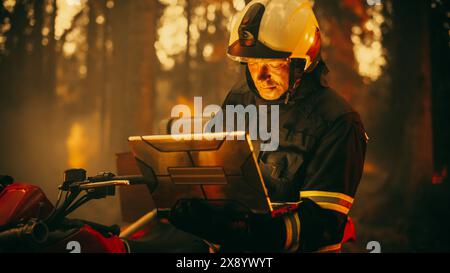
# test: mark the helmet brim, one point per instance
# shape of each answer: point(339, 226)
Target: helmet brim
point(239, 52)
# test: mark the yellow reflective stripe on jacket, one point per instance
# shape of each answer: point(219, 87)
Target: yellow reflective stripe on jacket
point(296, 238)
point(327, 194)
point(330, 200)
point(292, 223)
point(330, 249)
point(334, 207)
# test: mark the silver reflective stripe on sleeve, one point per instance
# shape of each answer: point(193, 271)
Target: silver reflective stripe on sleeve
point(330, 200)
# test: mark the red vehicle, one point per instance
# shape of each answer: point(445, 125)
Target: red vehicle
point(30, 223)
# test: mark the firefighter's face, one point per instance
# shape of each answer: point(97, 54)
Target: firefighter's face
point(271, 77)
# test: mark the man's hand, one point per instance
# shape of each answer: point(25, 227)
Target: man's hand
point(217, 222)
point(228, 224)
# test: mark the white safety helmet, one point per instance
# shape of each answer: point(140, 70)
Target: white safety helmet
point(276, 29)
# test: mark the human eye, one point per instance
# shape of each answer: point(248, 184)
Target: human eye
point(277, 63)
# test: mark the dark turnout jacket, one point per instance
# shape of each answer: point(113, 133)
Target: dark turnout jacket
point(318, 163)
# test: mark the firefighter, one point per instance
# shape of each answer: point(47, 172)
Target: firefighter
point(319, 162)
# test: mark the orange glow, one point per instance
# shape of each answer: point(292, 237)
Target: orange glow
point(172, 33)
point(9, 5)
point(188, 103)
point(438, 178)
point(370, 168)
point(76, 146)
point(368, 49)
point(67, 9)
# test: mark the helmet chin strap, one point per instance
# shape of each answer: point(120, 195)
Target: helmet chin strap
point(296, 70)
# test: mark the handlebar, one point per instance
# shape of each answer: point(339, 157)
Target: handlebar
point(97, 187)
point(107, 180)
point(133, 179)
point(79, 189)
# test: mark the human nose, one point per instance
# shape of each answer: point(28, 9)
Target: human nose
point(263, 73)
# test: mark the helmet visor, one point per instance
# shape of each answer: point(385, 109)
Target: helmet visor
point(239, 51)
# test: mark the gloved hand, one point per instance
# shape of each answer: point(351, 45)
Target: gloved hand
point(226, 224)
